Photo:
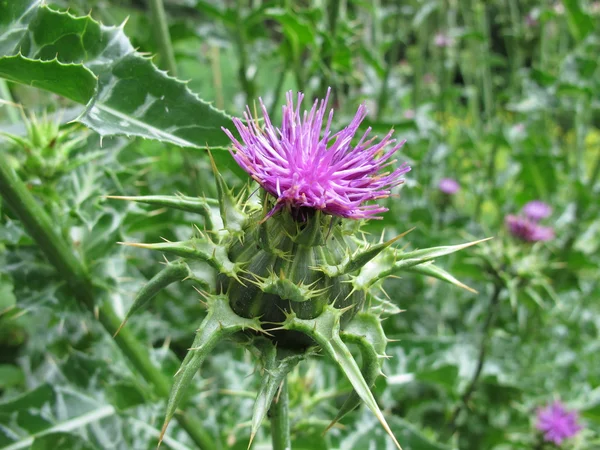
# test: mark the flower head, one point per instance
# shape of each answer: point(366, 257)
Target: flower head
point(304, 166)
point(449, 186)
point(536, 210)
point(530, 20)
point(556, 423)
point(528, 230)
point(442, 40)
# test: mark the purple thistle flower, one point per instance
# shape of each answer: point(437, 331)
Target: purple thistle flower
point(537, 210)
point(304, 166)
point(556, 423)
point(449, 186)
point(530, 20)
point(442, 40)
point(528, 230)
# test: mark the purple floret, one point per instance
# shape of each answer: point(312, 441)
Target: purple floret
point(537, 210)
point(304, 166)
point(449, 186)
point(556, 423)
point(528, 230)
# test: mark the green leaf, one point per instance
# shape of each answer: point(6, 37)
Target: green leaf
point(369, 435)
point(46, 410)
point(72, 81)
point(298, 31)
point(43, 47)
point(580, 23)
point(7, 297)
point(10, 376)
point(125, 394)
point(61, 440)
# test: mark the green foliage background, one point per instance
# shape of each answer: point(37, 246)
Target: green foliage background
point(508, 106)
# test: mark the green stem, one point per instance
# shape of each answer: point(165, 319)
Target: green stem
point(159, 18)
point(277, 92)
point(488, 95)
point(72, 270)
point(487, 329)
point(580, 209)
point(514, 43)
point(490, 177)
point(391, 62)
point(240, 40)
point(280, 421)
point(5, 94)
point(327, 49)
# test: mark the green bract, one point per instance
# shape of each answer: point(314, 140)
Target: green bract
point(286, 289)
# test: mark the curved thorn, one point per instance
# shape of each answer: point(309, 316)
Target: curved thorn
point(169, 274)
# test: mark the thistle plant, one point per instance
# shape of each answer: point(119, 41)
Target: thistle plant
point(293, 274)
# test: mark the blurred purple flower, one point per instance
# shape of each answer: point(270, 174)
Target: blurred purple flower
point(536, 210)
point(559, 8)
point(442, 40)
point(428, 78)
point(556, 423)
point(409, 114)
point(528, 230)
point(530, 20)
point(304, 166)
point(449, 186)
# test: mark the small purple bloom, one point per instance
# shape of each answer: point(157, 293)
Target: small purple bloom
point(304, 166)
point(528, 230)
point(409, 114)
point(536, 210)
point(556, 423)
point(428, 78)
point(530, 20)
point(449, 186)
point(442, 40)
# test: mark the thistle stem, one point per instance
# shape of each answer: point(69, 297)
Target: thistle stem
point(39, 225)
point(240, 40)
point(487, 328)
point(333, 12)
point(280, 421)
point(5, 94)
point(391, 63)
point(159, 18)
point(277, 91)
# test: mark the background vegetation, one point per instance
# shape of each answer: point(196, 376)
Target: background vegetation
point(501, 95)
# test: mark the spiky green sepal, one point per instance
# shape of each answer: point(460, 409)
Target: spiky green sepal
point(171, 273)
point(232, 210)
point(366, 333)
point(393, 261)
point(220, 323)
point(325, 331)
point(200, 249)
point(277, 363)
point(205, 207)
